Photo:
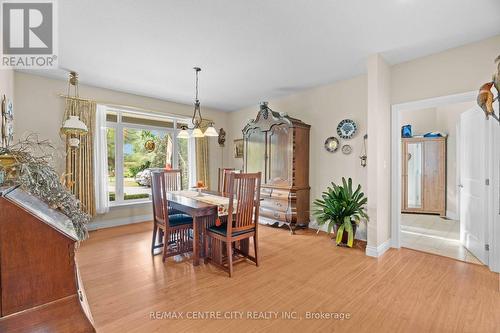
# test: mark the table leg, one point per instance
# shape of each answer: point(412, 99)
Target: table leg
point(196, 242)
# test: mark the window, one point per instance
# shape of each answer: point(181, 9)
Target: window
point(138, 143)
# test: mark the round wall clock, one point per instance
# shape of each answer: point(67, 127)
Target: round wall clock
point(346, 149)
point(347, 128)
point(331, 144)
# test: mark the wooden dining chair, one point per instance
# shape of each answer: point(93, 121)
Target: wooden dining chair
point(242, 223)
point(222, 183)
point(173, 232)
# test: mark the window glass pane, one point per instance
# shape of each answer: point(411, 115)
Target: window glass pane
point(184, 162)
point(111, 117)
point(143, 150)
point(110, 138)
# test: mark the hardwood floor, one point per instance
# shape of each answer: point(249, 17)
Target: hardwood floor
point(404, 291)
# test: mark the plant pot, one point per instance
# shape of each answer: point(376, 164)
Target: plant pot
point(345, 236)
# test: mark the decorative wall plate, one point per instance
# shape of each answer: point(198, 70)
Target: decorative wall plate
point(331, 144)
point(346, 149)
point(347, 128)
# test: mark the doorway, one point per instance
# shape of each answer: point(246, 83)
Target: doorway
point(440, 179)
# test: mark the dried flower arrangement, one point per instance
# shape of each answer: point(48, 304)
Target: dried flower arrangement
point(26, 163)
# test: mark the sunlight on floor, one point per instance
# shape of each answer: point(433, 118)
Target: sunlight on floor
point(433, 234)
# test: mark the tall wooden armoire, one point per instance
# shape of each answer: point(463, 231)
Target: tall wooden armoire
point(278, 146)
point(40, 288)
point(424, 175)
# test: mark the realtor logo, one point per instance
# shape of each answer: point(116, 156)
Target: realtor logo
point(28, 35)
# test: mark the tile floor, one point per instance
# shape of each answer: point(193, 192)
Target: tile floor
point(431, 233)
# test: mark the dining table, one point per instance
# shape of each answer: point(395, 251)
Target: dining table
point(204, 209)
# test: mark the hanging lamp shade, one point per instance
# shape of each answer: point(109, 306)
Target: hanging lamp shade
point(73, 125)
point(197, 133)
point(211, 131)
point(183, 134)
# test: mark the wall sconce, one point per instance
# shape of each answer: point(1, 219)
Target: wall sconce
point(222, 137)
point(363, 156)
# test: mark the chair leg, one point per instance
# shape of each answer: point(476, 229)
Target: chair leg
point(229, 250)
point(153, 242)
point(255, 248)
point(165, 246)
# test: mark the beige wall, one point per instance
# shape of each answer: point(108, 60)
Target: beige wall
point(379, 158)
point(323, 108)
point(39, 109)
point(421, 121)
point(453, 71)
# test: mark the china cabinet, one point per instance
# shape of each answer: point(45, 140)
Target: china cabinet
point(278, 146)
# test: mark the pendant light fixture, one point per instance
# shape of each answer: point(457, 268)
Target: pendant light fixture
point(72, 126)
point(197, 118)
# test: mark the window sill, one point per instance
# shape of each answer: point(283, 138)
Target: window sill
point(129, 203)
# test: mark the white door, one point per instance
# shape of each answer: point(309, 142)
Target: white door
point(473, 190)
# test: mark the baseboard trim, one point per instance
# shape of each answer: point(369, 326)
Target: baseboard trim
point(377, 251)
point(119, 222)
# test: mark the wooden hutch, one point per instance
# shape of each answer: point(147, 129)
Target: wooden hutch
point(278, 146)
point(40, 288)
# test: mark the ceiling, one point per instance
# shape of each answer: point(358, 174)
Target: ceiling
point(253, 50)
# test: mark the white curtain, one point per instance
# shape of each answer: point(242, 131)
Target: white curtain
point(101, 162)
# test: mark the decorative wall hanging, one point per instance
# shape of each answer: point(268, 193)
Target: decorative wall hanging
point(331, 144)
point(346, 149)
point(197, 119)
point(6, 122)
point(222, 137)
point(149, 146)
point(238, 148)
point(346, 129)
point(485, 98)
point(363, 156)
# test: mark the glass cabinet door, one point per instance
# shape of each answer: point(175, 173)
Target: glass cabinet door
point(414, 182)
point(255, 154)
point(279, 154)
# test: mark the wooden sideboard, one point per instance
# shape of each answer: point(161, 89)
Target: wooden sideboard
point(278, 146)
point(40, 288)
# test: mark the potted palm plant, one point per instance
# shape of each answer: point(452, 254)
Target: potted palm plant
point(341, 209)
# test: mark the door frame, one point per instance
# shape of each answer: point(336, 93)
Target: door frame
point(494, 218)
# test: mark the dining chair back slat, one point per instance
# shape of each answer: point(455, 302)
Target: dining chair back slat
point(245, 188)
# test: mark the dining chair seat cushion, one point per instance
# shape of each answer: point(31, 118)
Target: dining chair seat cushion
point(179, 219)
point(222, 230)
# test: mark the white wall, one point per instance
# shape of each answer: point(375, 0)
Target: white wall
point(323, 108)
point(39, 109)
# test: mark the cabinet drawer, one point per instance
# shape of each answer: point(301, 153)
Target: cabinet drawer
point(274, 204)
point(273, 214)
point(274, 193)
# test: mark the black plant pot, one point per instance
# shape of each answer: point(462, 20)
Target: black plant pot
point(345, 236)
